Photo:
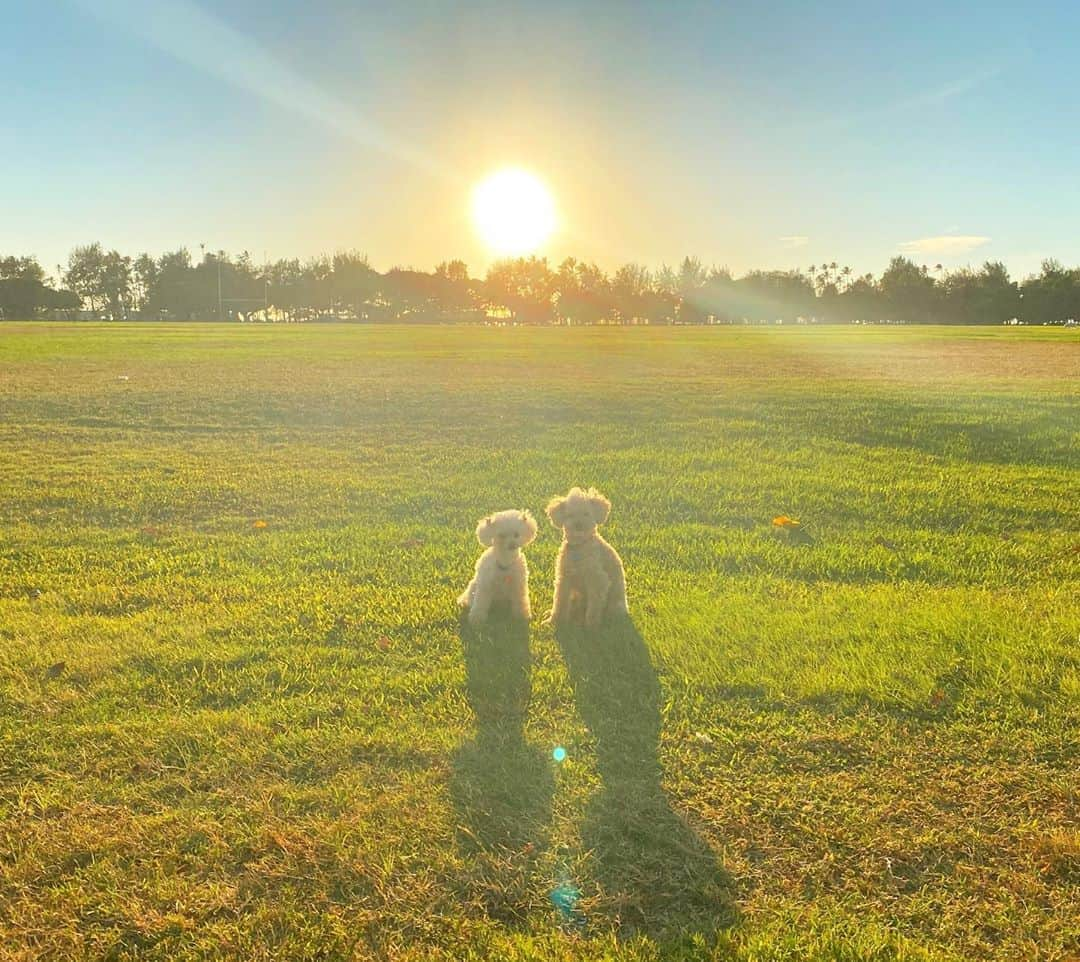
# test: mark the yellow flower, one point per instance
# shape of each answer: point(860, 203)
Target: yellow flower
point(258, 524)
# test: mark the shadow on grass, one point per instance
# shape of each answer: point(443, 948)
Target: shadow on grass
point(501, 786)
point(657, 876)
point(987, 429)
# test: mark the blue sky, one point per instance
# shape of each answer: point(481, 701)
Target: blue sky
point(750, 137)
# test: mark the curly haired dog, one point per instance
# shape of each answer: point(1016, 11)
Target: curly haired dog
point(501, 572)
point(588, 572)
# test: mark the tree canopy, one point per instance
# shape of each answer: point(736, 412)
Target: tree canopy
point(527, 290)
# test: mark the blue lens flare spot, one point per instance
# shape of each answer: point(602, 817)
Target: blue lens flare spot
point(559, 754)
point(565, 897)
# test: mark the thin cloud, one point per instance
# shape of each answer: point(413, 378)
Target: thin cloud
point(947, 245)
point(791, 241)
point(947, 91)
point(924, 98)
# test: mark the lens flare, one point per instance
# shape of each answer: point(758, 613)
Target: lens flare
point(559, 754)
point(565, 897)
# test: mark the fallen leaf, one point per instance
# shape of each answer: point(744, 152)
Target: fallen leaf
point(258, 524)
point(384, 643)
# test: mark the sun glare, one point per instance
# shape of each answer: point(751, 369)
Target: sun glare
point(513, 212)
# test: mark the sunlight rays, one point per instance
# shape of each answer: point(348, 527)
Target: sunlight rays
point(196, 37)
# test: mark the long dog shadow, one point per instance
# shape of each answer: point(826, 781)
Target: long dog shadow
point(656, 874)
point(501, 786)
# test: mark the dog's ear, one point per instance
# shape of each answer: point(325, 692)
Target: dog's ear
point(598, 505)
point(485, 531)
point(556, 510)
point(529, 523)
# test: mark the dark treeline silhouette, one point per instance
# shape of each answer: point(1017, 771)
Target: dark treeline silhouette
point(100, 284)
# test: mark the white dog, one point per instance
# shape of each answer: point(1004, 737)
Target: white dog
point(588, 572)
point(501, 572)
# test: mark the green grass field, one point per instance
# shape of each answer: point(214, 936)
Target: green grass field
point(238, 719)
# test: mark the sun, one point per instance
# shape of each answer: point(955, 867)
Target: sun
point(513, 212)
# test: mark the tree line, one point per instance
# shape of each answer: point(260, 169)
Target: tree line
point(344, 287)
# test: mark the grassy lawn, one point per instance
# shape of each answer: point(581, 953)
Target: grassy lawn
point(238, 718)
